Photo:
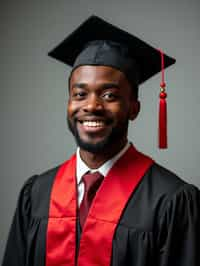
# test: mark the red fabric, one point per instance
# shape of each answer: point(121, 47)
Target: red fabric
point(162, 129)
point(103, 217)
point(163, 121)
point(61, 229)
point(92, 182)
point(162, 84)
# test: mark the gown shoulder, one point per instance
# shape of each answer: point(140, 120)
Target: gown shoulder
point(30, 221)
point(179, 228)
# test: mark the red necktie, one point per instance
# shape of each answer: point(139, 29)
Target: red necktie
point(92, 182)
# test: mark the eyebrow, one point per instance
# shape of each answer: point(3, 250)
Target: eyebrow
point(79, 85)
point(107, 85)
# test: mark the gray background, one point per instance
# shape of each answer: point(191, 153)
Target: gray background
point(33, 87)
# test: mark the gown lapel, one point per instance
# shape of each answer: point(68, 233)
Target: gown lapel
point(61, 228)
point(63, 231)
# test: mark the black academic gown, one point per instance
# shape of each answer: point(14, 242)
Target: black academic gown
point(160, 225)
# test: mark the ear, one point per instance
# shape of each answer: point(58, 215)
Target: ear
point(134, 109)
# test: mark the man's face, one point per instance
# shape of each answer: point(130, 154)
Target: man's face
point(100, 106)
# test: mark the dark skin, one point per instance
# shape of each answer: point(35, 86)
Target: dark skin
point(100, 100)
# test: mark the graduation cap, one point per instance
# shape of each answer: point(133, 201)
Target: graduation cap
point(97, 42)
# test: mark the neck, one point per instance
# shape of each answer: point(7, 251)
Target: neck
point(95, 160)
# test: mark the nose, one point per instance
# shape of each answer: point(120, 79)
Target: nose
point(93, 104)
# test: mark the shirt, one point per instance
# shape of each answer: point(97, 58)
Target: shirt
point(82, 168)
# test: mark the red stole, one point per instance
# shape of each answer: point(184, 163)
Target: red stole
point(103, 217)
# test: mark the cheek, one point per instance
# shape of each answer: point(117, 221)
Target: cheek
point(125, 111)
point(72, 108)
point(120, 111)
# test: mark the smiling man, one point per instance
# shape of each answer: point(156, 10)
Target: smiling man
point(101, 103)
point(109, 204)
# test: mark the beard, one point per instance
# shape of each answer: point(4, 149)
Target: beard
point(117, 133)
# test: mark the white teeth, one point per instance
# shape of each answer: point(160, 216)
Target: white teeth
point(93, 123)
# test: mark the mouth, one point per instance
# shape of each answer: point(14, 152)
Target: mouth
point(93, 125)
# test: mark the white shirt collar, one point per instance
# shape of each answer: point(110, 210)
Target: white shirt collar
point(82, 168)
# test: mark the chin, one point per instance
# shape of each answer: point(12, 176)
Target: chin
point(97, 147)
point(106, 143)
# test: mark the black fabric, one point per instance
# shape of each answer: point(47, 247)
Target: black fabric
point(108, 53)
point(160, 225)
point(27, 238)
point(97, 42)
point(78, 235)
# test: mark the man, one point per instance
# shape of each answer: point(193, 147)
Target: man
point(108, 204)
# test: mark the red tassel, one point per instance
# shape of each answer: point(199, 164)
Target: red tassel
point(163, 121)
point(162, 108)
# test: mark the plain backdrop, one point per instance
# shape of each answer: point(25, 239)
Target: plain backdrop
point(33, 88)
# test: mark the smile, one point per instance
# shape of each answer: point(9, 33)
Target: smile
point(97, 123)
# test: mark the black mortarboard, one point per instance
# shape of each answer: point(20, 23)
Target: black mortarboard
point(97, 42)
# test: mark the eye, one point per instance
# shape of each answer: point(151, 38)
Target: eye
point(110, 96)
point(79, 94)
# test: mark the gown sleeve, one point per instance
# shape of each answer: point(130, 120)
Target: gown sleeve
point(15, 252)
point(179, 236)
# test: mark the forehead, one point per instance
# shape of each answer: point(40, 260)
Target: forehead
point(95, 74)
